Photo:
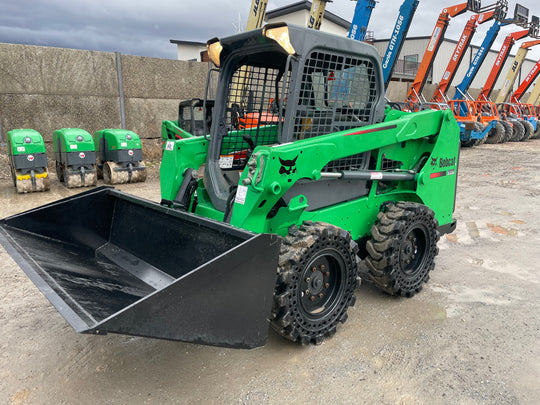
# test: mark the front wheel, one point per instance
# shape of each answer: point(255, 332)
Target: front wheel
point(402, 250)
point(316, 281)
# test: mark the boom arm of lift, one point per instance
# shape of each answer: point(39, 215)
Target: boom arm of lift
point(316, 13)
point(504, 52)
point(361, 17)
point(256, 14)
point(399, 33)
point(413, 95)
point(535, 94)
point(526, 83)
point(521, 17)
point(439, 96)
point(514, 69)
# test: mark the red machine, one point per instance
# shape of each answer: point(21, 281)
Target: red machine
point(499, 62)
point(413, 96)
point(439, 96)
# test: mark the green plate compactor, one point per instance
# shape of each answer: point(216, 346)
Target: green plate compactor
point(75, 157)
point(119, 156)
point(28, 160)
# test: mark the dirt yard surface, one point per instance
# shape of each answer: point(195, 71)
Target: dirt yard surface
point(472, 336)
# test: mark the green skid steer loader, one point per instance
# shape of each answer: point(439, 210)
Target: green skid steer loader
point(305, 182)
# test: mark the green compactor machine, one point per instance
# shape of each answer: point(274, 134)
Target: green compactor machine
point(28, 160)
point(75, 157)
point(306, 182)
point(119, 156)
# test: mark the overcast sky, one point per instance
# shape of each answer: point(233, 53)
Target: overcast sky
point(142, 27)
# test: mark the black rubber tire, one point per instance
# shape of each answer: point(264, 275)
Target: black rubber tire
point(536, 134)
point(518, 131)
point(404, 231)
point(529, 130)
point(317, 275)
point(479, 127)
point(13, 175)
point(508, 131)
point(496, 134)
point(59, 171)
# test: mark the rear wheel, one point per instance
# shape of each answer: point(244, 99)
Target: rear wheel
point(496, 135)
point(536, 134)
point(479, 128)
point(508, 131)
point(529, 130)
point(71, 180)
point(518, 131)
point(59, 171)
point(316, 281)
point(403, 247)
point(13, 176)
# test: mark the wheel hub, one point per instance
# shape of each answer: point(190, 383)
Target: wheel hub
point(316, 282)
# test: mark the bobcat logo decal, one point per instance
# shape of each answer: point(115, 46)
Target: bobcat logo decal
point(434, 162)
point(288, 167)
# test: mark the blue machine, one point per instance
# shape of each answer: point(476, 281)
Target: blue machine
point(521, 15)
point(362, 14)
point(403, 22)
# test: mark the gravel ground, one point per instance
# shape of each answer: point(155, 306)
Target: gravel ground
point(470, 337)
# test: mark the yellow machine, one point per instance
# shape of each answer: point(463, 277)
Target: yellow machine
point(316, 13)
point(535, 94)
point(510, 79)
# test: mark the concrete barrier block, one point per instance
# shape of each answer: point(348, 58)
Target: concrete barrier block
point(154, 78)
point(28, 69)
point(144, 116)
point(48, 113)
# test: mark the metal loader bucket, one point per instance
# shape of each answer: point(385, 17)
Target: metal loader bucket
point(111, 262)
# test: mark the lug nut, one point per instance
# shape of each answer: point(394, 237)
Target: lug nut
point(327, 274)
point(307, 291)
point(307, 280)
point(327, 285)
point(320, 295)
point(314, 269)
point(312, 298)
point(322, 267)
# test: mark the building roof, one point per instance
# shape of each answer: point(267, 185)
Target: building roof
point(179, 42)
point(281, 11)
point(306, 5)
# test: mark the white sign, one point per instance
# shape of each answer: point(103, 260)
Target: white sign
point(226, 161)
point(241, 193)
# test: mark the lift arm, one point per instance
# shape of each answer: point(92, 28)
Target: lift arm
point(316, 13)
point(514, 69)
point(521, 17)
point(535, 94)
point(399, 33)
point(256, 14)
point(526, 83)
point(413, 95)
point(504, 52)
point(499, 63)
point(439, 96)
point(361, 17)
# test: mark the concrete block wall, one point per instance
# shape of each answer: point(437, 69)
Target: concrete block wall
point(50, 88)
